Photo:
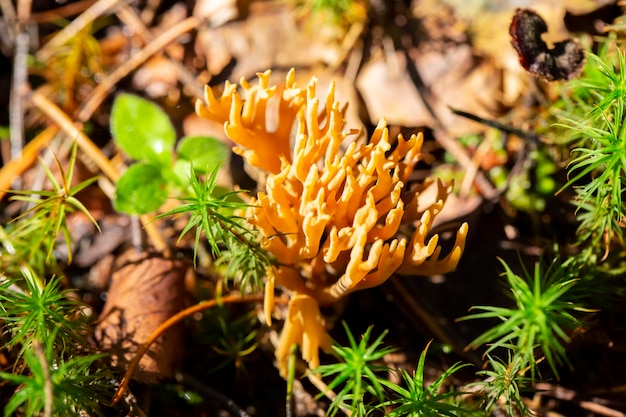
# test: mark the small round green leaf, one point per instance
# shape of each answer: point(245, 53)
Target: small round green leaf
point(181, 171)
point(142, 130)
point(205, 152)
point(141, 189)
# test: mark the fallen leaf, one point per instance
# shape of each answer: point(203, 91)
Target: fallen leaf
point(253, 43)
point(146, 290)
point(453, 77)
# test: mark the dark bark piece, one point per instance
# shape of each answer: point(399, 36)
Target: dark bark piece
point(563, 62)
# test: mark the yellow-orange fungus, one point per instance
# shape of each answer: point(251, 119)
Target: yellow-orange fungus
point(330, 216)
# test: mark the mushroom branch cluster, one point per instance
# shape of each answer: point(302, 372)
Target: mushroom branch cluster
point(337, 219)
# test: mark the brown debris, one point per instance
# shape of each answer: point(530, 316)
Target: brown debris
point(146, 290)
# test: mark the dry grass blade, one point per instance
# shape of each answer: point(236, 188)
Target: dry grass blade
point(78, 24)
point(14, 168)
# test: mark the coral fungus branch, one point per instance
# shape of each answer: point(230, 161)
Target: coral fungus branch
point(332, 208)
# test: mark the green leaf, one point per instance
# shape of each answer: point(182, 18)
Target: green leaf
point(141, 189)
point(205, 152)
point(142, 130)
point(5, 132)
point(181, 171)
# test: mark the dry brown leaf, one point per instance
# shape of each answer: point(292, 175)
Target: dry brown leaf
point(454, 77)
point(270, 37)
point(391, 95)
point(488, 24)
point(217, 12)
point(146, 290)
point(157, 78)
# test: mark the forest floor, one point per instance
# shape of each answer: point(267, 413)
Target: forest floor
point(411, 62)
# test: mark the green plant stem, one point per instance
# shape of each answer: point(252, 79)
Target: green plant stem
point(48, 398)
point(290, 380)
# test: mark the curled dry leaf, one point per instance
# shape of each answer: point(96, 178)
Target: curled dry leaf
point(562, 62)
point(146, 290)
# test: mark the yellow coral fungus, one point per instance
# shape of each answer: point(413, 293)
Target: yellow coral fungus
point(246, 121)
point(331, 217)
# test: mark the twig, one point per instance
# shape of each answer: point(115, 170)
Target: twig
point(56, 151)
point(100, 92)
point(20, 79)
point(459, 153)
point(601, 409)
point(347, 44)
point(95, 154)
point(175, 319)
point(65, 123)
point(15, 167)
point(431, 324)
point(9, 14)
point(323, 388)
point(523, 134)
point(470, 174)
point(23, 11)
point(136, 237)
point(78, 24)
point(71, 9)
point(149, 12)
point(530, 138)
point(130, 18)
point(441, 133)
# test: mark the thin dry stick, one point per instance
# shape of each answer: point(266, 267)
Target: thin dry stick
point(321, 386)
point(8, 12)
point(20, 78)
point(78, 24)
point(20, 74)
point(175, 319)
point(101, 91)
point(15, 167)
point(23, 11)
point(130, 18)
point(347, 45)
point(93, 152)
point(470, 173)
point(149, 12)
point(460, 154)
point(71, 9)
point(84, 143)
point(441, 133)
point(600, 409)
point(431, 324)
point(528, 136)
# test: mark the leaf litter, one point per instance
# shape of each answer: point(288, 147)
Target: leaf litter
point(409, 70)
